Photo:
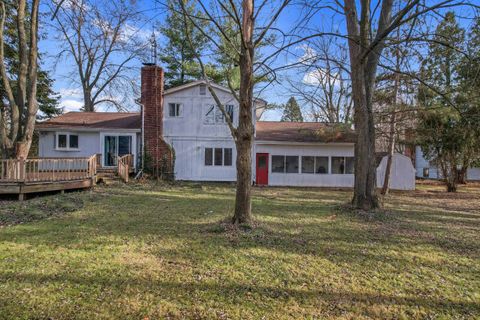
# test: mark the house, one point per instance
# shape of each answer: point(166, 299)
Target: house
point(429, 170)
point(182, 130)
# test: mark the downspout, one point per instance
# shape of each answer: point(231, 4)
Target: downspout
point(142, 142)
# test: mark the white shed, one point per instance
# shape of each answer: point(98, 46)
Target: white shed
point(403, 173)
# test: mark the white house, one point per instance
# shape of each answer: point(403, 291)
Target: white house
point(428, 169)
point(183, 127)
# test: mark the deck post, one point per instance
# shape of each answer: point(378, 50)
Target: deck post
point(21, 196)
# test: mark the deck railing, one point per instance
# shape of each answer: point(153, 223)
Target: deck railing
point(47, 169)
point(124, 164)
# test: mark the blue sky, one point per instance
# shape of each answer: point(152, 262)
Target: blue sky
point(154, 14)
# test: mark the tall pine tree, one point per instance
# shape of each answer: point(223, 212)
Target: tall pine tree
point(176, 54)
point(292, 111)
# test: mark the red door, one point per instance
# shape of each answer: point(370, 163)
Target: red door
point(262, 169)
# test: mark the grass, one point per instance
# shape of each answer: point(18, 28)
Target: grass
point(147, 251)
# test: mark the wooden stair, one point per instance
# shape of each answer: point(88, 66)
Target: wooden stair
point(107, 176)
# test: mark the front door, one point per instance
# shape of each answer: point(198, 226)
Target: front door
point(262, 169)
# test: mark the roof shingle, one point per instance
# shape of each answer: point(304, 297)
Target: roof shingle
point(304, 132)
point(94, 120)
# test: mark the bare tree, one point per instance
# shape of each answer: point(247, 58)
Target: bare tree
point(325, 85)
point(18, 114)
point(222, 17)
point(100, 38)
point(367, 31)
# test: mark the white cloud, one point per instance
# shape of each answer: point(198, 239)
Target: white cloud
point(70, 93)
point(71, 105)
point(321, 76)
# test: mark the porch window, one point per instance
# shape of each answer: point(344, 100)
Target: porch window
point(321, 165)
point(308, 164)
point(278, 164)
point(174, 110)
point(218, 156)
point(227, 157)
point(291, 164)
point(66, 141)
point(343, 165)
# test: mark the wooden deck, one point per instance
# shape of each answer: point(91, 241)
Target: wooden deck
point(18, 176)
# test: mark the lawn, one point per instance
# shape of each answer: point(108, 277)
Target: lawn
point(148, 251)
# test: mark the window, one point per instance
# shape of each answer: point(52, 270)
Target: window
point(426, 172)
point(73, 142)
point(349, 165)
point(291, 164)
point(62, 141)
point(227, 157)
point(278, 164)
point(203, 89)
point(66, 141)
point(214, 114)
point(208, 156)
point(218, 156)
point(308, 164)
point(343, 165)
point(321, 165)
point(174, 109)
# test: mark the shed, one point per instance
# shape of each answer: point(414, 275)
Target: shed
point(403, 172)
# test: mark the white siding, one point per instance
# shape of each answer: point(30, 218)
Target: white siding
point(191, 123)
point(304, 179)
point(190, 160)
point(434, 172)
point(402, 173)
point(88, 144)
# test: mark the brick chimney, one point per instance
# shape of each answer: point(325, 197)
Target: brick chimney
point(159, 154)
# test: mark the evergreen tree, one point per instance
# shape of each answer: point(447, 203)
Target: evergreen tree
point(177, 55)
point(447, 131)
point(291, 111)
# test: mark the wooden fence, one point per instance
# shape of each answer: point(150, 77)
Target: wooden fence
point(47, 169)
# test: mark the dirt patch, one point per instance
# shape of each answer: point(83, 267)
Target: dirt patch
point(14, 212)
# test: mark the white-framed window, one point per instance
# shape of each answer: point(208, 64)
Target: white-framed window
point(343, 165)
point(175, 110)
point(315, 165)
point(214, 114)
point(285, 164)
point(66, 141)
point(218, 157)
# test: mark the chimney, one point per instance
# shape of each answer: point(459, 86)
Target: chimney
point(158, 154)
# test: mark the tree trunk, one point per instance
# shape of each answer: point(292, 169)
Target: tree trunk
point(462, 175)
point(244, 141)
point(391, 149)
point(87, 101)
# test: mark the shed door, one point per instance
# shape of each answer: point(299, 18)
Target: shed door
point(262, 169)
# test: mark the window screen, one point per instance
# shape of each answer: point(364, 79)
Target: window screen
point(208, 156)
point(278, 164)
point(227, 156)
point(291, 164)
point(308, 164)
point(321, 165)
